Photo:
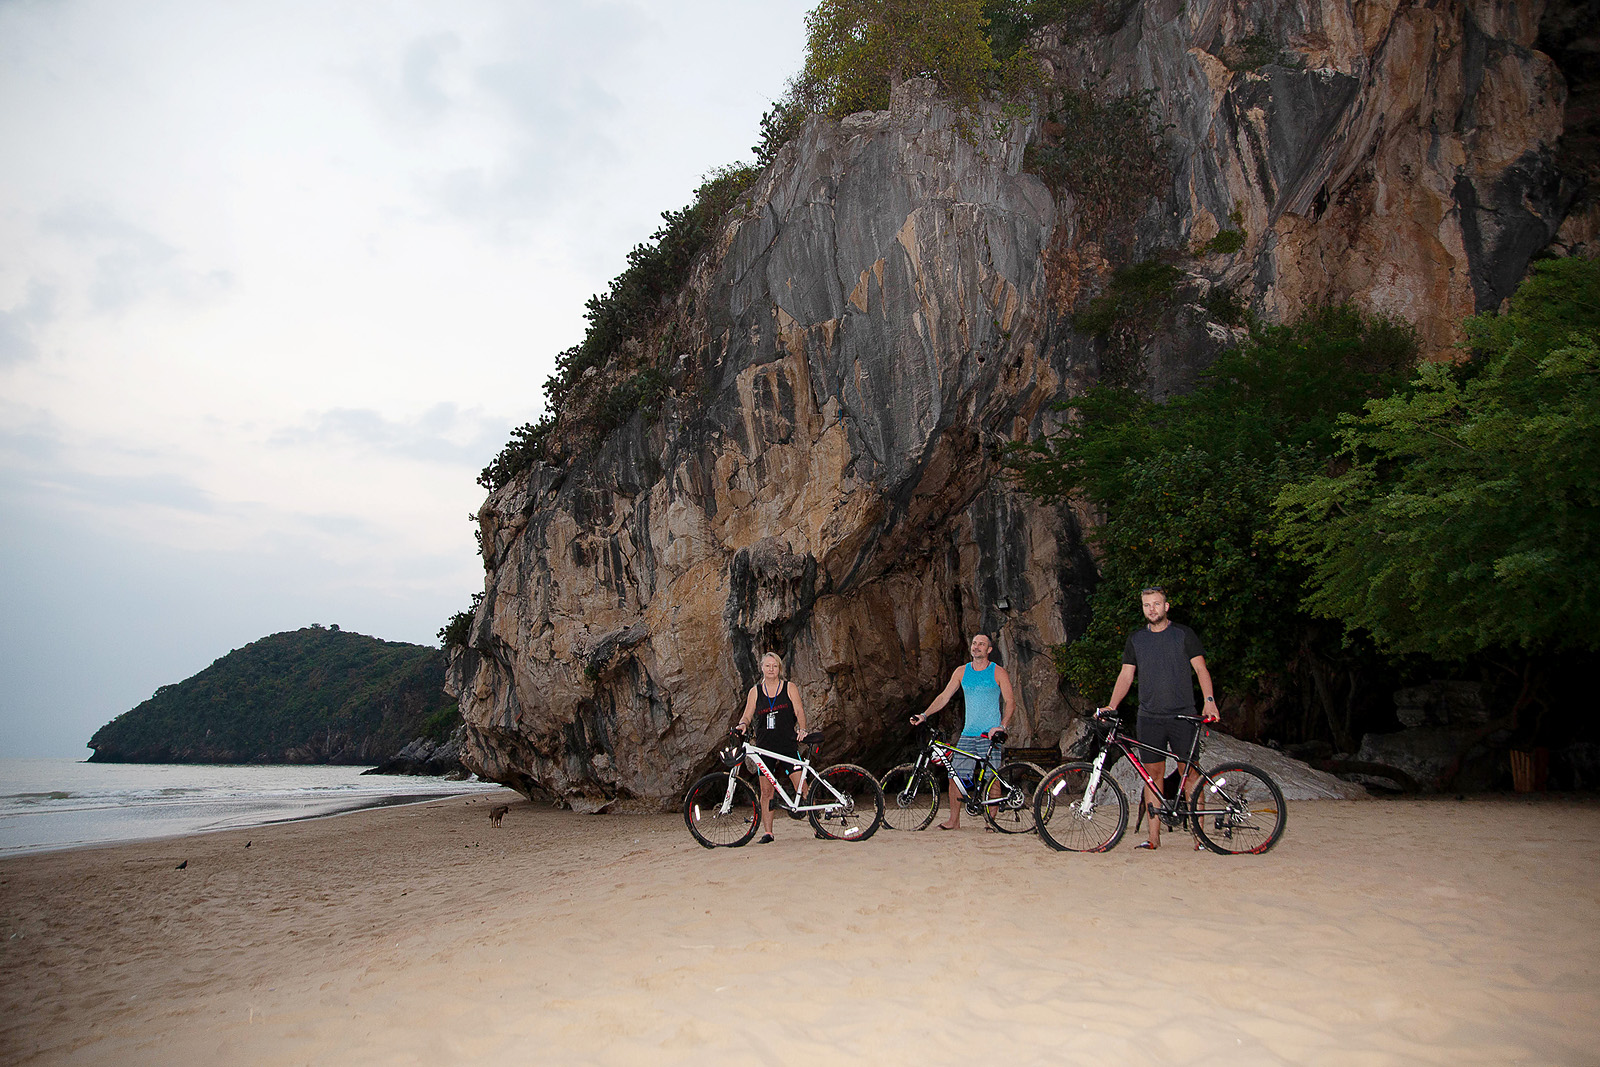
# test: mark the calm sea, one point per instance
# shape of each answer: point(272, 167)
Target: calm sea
point(48, 804)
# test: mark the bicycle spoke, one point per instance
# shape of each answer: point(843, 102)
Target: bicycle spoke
point(717, 816)
point(910, 798)
point(1239, 808)
point(1008, 800)
point(849, 803)
point(1069, 821)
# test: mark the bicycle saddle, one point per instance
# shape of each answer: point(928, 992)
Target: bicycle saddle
point(998, 737)
point(813, 738)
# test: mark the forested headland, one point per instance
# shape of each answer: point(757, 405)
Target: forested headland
point(314, 695)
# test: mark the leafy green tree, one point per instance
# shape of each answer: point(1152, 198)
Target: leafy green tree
point(1466, 513)
point(856, 50)
point(1186, 489)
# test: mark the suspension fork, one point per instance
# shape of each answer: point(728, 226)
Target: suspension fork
point(1087, 805)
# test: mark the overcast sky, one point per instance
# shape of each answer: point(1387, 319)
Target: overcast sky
point(276, 281)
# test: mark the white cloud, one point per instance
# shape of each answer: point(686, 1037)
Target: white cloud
point(278, 277)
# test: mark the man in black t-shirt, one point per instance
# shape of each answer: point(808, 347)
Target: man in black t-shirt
point(1163, 653)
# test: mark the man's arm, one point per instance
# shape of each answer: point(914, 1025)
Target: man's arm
point(1208, 710)
point(1007, 702)
point(1124, 683)
point(942, 699)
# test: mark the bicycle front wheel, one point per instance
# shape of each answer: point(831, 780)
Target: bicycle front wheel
point(1008, 801)
point(854, 802)
point(910, 799)
point(717, 817)
point(1070, 821)
point(1238, 808)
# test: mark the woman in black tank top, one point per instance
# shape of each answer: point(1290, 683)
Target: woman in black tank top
point(774, 707)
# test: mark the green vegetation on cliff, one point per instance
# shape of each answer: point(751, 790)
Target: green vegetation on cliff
point(1464, 513)
point(1187, 489)
point(855, 50)
point(305, 696)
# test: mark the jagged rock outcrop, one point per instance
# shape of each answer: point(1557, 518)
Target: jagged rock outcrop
point(893, 307)
point(425, 756)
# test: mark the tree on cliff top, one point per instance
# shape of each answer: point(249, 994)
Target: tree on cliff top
point(1465, 514)
point(856, 50)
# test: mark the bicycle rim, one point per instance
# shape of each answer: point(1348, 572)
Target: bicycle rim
point(1239, 809)
point(712, 826)
point(1066, 823)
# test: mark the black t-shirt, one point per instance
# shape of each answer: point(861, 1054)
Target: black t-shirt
point(1162, 660)
point(775, 721)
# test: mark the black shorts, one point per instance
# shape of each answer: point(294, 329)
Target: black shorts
point(1164, 732)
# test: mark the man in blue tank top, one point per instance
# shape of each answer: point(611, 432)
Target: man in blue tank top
point(1163, 654)
point(986, 689)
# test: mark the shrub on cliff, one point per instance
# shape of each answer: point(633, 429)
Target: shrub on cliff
point(856, 50)
point(637, 300)
point(1186, 488)
point(1465, 511)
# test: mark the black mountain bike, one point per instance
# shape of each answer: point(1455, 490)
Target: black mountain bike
point(1002, 794)
point(1080, 808)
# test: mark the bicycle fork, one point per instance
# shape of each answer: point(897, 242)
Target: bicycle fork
point(1086, 805)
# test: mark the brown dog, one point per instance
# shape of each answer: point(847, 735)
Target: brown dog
point(498, 812)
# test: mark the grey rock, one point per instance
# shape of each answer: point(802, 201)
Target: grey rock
point(893, 304)
point(1442, 703)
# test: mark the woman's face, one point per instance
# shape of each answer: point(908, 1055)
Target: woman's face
point(770, 668)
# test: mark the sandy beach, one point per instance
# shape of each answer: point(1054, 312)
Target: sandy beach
point(1390, 932)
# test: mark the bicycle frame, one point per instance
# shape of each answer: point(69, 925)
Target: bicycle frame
point(753, 754)
point(987, 767)
point(1117, 741)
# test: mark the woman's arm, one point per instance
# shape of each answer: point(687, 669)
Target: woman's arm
point(799, 710)
point(749, 710)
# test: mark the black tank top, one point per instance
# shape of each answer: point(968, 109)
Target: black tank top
point(775, 720)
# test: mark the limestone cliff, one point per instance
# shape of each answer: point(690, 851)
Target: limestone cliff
point(892, 305)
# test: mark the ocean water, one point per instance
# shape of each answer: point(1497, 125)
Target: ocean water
point(48, 804)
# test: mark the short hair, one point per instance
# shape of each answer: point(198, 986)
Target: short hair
point(1149, 589)
point(772, 655)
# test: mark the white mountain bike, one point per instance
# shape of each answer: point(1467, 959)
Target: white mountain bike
point(844, 802)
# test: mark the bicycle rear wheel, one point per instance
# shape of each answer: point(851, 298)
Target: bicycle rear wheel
point(1238, 808)
point(704, 815)
point(910, 799)
point(855, 818)
point(1008, 801)
point(1066, 823)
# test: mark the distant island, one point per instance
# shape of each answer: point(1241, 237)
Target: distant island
point(314, 695)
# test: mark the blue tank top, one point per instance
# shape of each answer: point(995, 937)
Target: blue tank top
point(982, 696)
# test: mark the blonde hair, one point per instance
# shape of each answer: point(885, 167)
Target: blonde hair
point(773, 655)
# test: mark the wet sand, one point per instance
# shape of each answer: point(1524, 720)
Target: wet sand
point(1393, 932)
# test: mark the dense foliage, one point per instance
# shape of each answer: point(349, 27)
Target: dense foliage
point(1186, 489)
point(305, 696)
point(857, 49)
point(1106, 149)
point(1465, 514)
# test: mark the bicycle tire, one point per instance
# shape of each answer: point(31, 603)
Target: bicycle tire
point(1014, 814)
point(910, 799)
point(1058, 810)
point(862, 814)
point(1255, 815)
point(703, 815)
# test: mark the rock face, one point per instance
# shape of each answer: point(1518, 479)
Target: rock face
point(893, 306)
point(425, 756)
